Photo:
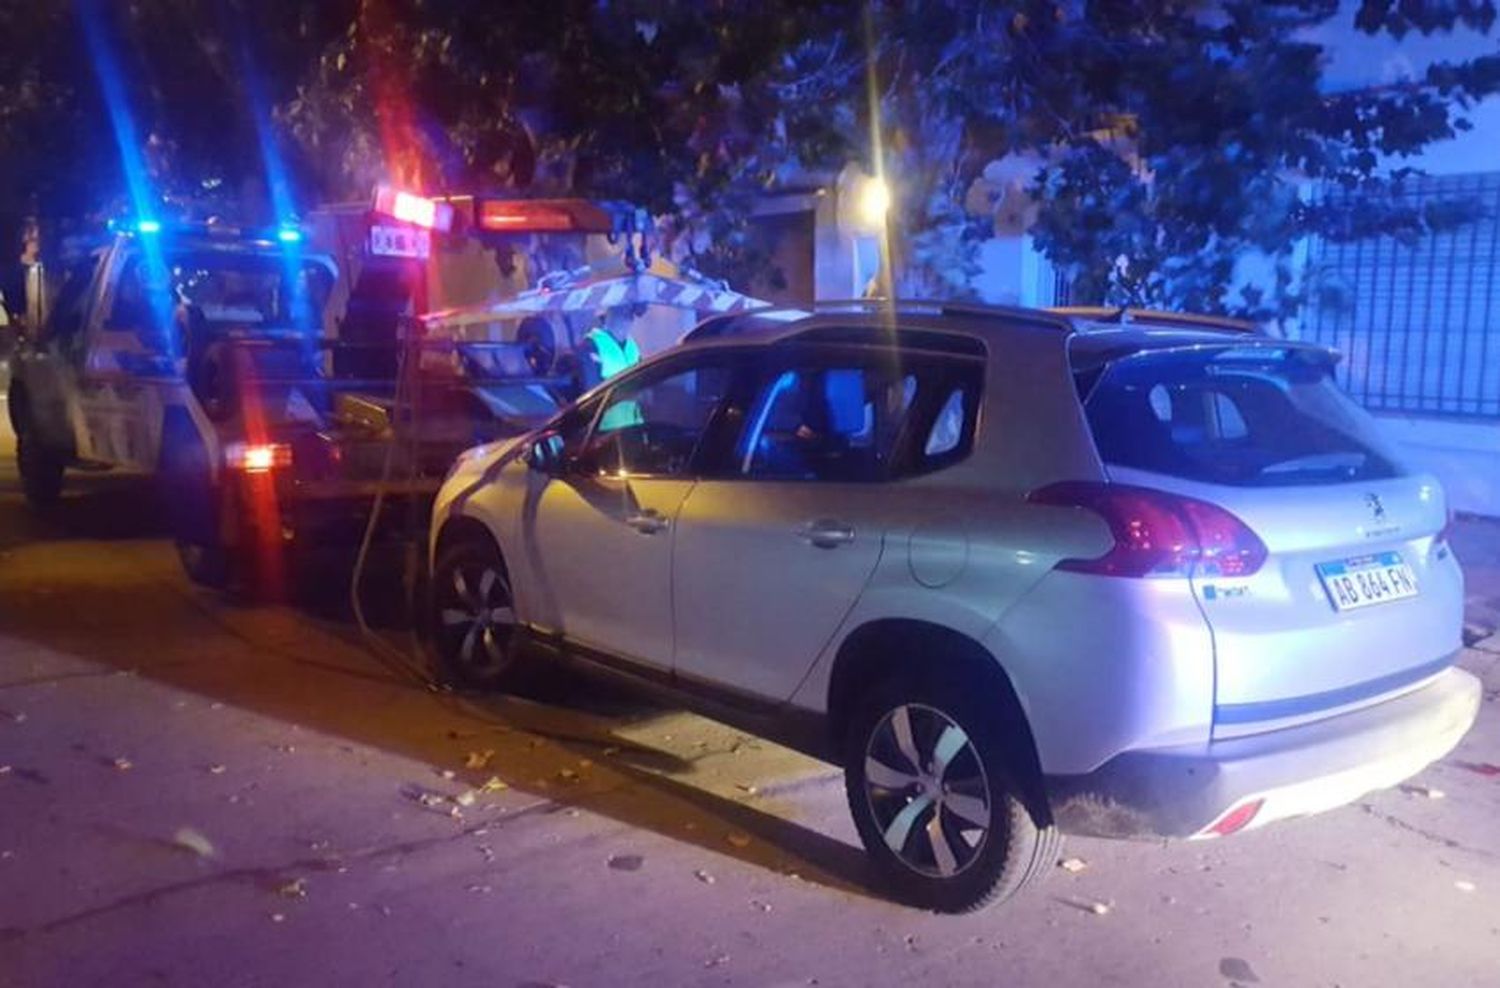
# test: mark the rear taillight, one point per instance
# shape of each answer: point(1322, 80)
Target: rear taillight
point(1159, 534)
point(257, 457)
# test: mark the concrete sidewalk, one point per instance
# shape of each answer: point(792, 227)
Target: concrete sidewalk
point(1476, 541)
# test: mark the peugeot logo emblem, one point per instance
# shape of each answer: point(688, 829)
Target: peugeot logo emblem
point(1372, 501)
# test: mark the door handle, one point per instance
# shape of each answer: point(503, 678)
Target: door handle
point(826, 533)
point(647, 522)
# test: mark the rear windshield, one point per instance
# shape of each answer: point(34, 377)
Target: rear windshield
point(1242, 416)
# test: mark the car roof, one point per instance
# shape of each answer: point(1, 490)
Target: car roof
point(1114, 330)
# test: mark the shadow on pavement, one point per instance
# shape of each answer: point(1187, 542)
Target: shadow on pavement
point(126, 606)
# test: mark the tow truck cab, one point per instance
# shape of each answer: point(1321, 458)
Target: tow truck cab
point(130, 343)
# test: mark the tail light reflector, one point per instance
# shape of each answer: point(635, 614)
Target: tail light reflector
point(1159, 534)
point(1235, 820)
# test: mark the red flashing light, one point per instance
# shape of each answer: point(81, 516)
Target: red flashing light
point(1159, 534)
point(257, 457)
point(1235, 820)
point(429, 214)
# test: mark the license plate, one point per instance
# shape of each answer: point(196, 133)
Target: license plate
point(1367, 580)
point(399, 241)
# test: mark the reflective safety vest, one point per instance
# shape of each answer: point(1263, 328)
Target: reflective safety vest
point(614, 358)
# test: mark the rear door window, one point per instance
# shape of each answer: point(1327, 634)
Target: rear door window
point(1241, 416)
point(857, 419)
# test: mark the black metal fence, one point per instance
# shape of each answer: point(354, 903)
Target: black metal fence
point(1418, 324)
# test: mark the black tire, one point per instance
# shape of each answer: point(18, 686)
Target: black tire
point(207, 565)
point(41, 471)
point(471, 622)
point(978, 866)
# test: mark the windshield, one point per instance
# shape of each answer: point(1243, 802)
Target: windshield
point(226, 290)
point(1242, 416)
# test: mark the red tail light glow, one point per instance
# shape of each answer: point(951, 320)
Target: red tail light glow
point(257, 457)
point(1159, 534)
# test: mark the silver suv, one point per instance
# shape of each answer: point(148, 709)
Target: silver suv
point(1018, 572)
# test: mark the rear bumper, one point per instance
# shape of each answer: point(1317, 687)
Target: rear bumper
point(1181, 792)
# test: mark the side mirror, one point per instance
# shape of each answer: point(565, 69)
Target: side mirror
point(545, 455)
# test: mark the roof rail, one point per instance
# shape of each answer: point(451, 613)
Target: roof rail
point(1125, 316)
point(937, 307)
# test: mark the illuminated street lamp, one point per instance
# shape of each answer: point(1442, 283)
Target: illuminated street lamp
point(874, 203)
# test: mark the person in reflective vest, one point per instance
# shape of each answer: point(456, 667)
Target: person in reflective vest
point(608, 350)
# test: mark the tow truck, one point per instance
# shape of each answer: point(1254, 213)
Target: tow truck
point(278, 384)
point(206, 358)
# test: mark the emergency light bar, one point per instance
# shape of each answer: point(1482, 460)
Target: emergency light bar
point(542, 216)
point(429, 214)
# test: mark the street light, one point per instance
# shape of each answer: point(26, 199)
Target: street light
point(874, 202)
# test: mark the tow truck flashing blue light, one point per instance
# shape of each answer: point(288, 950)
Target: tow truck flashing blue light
point(289, 235)
point(148, 226)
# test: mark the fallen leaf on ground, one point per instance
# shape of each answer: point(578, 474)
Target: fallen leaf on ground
point(483, 889)
point(1480, 768)
point(764, 907)
point(191, 840)
point(465, 798)
point(448, 774)
point(1099, 908)
point(718, 961)
point(294, 889)
point(1073, 865)
point(751, 790)
point(479, 759)
point(738, 840)
point(216, 770)
point(1238, 969)
point(494, 784)
point(123, 764)
point(703, 877)
point(278, 917)
point(626, 862)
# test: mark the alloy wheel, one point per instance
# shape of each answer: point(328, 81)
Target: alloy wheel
point(927, 789)
point(476, 618)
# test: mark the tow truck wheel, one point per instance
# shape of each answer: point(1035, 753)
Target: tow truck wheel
point(206, 565)
point(472, 616)
point(41, 471)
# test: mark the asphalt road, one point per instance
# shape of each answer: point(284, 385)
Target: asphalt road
point(197, 792)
